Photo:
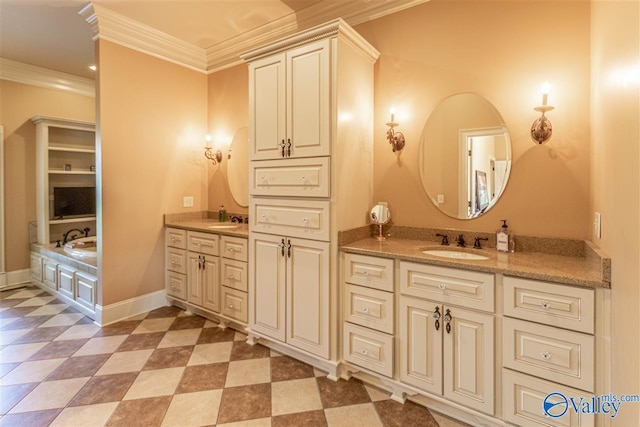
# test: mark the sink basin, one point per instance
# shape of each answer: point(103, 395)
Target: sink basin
point(223, 226)
point(455, 254)
point(82, 248)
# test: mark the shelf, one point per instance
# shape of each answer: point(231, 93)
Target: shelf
point(72, 220)
point(72, 149)
point(71, 172)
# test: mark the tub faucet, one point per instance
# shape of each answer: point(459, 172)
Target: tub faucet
point(67, 237)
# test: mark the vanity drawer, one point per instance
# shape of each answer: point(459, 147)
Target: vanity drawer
point(523, 398)
point(176, 285)
point(458, 287)
point(307, 177)
point(203, 243)
point(234, 304)
point(176, 260)
point(563, 356)
point(369, 349)
point(307, 219)
point(234, 274)
point(234, 248)
point(86, 288)
point(175, 237)
point(369, 271)
point(549, 303)
point(369, 307)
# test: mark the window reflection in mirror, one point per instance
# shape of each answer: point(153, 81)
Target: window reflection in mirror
point(465, 156)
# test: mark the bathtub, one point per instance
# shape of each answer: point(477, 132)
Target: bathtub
point(85, 247)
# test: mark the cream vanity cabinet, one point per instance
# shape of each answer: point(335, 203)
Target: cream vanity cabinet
point(446, 333)
point(234, 254)
point(203, 270)
point(548, 346)
point(310, 121)
point(176, 263)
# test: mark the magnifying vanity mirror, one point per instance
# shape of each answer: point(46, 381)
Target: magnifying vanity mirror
point(238, 167)
point(380, 215)
point(464, 156)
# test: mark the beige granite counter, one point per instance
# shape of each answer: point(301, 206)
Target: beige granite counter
point(589, 269)
point(87, 264)
point(203, 224)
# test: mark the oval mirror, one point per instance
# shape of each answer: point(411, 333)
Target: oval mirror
point(380, 214)
point(464, 156)
point(238, 167)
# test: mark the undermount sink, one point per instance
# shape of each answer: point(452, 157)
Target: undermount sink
point(223, 226)
point(453, 254)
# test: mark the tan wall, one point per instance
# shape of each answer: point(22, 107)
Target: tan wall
point(152, 120)
point(18, 103)
point(615, 163)
point(228, 97)
point(442, 47)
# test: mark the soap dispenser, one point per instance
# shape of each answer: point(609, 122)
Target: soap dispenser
point(505, 239)
point(222, 214)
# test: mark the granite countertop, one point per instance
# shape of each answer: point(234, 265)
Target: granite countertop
point(203, 224)
point(590, 270)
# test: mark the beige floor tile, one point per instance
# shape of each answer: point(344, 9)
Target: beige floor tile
point(50, 395)
point(125, 361)
point(210, 324)
point(19, 352)
point(247, 372)
point(239, 336)
point(363, 415)
point(27, 293)
point(101, 345)
point(36, 301)
point(211, 353)
point(79, 332)
point(82, 416)
point(295, 396)
point(259, 422)
point(140, 316)
point(31, 372)
point(7, 337)
point(180, 338)
point(63, 320)
point(376, 394)
point(50, 309)
point(319, 373)
point(154, 325)
point(193, 409)
point(444, 421)
point(159, 382)
point(273, 353)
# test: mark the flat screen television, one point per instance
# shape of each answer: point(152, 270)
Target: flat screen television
point(69, 202)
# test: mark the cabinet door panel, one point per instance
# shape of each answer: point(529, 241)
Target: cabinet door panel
point(50, 273)
point(267, 285)
point(308, 296)
point(211, 283)
point(267, 107)
point(65, 281)
point(36, 267)
point(308, 100)
point(194, 279)
point(469, 359)
point(421, 344)
point(86, 288)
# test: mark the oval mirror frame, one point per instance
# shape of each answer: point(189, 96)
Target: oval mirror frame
point(464, 156)
point(238, 167)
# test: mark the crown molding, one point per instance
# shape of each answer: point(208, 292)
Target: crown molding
point(116, 28)
point(43, 77)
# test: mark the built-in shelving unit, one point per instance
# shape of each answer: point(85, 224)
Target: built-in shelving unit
point(65, 157)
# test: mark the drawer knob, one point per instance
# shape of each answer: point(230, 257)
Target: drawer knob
point(365, 351)
point(545, 355)
point(173, 287)
point(230, 306)
point(545, 305)
point(173, 262)
point(365, 310)
point(442, 286)
point(173, 239)
point(230, 275)
point(230, 249)
point(263, 178)
point(305, 220)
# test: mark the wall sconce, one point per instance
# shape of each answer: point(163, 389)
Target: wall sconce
point(396, 139)
point(541, 128)
point(209, 154)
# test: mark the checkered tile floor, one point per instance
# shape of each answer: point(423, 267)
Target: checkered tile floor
point(167, 368)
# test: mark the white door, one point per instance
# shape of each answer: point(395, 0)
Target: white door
point(267, 99)
point(308, 295)
point(211, 283)
point(194, 278)
point(469, 358)
point(267, 275)
point(308, 99)
point(421, 344)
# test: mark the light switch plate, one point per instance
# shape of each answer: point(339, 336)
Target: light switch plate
point(187, 201)
point(597, 225)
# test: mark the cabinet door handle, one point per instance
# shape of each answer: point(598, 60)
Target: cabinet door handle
point(288, 248)
point(282, 245)
point(282, 145)
point(447, 319)
point(288, 147)
point(436, 315)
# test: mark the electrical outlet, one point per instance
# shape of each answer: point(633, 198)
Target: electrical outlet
point(187, 201)
point(597, 225)
point(440, 199)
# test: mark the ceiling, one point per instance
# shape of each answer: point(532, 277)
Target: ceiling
point(52, 34)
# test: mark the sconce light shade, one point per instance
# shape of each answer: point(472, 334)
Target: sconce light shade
point(396, 139)
point(209, 154)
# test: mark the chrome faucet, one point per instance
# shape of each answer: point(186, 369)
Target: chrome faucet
point(67, 237)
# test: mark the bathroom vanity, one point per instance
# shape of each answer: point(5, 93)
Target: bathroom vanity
point(484, 341)
point(206, 269)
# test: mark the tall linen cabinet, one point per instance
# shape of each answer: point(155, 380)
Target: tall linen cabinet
point(311, 175)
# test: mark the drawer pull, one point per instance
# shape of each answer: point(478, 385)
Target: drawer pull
point(230, 307)
point(305, 220)
point(173, 240)
point(365, 310)
point(447, 319)
point(442, 286)
point(173, 287)
point(230, 275)
point(230, 249)
point(173, 262)
point(545, 305)
point(263, 178)
point(436, 315)
point(545, 355)
point(365, 351)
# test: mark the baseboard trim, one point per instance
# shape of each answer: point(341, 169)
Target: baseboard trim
point(14, 278)
point(132, 307)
